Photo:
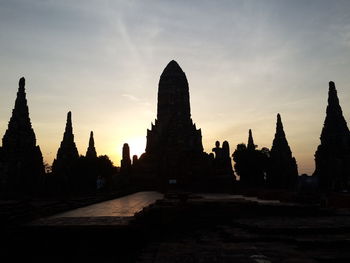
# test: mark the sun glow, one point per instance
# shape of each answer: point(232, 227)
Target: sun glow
point(137, 145)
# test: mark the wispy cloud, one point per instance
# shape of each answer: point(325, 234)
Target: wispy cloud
point(137, 100)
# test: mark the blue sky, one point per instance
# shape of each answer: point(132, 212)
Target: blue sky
point(245, 62)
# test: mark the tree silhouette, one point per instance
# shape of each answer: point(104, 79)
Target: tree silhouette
point(251, 164)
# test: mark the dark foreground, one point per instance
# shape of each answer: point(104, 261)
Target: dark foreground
point(203, 228)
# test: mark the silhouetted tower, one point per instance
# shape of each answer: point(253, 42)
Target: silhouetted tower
point(91, 151)
point(173, 144)
point(227, 157)
point(283, 171)
point(332, 157)
point(173, 127)
point(125, 163)
point(67, 154)
point(250, 146)
point(22, 158)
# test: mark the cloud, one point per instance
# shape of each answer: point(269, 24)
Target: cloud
point(137, 100)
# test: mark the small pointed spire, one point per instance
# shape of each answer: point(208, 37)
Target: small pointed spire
point(91, 140)
point(283, 172)
point(335, 123)
point(68, 152)
point(69, 127)
point(279, 127)
point(21, 107)
point(91, 151)
point(280, 143)
point(251, 145)
point(68, 135)
point(333, 99)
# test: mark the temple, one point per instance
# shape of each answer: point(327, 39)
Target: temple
point(283, 171)
point(22, 159)
point(174, 152)
point(332, 157)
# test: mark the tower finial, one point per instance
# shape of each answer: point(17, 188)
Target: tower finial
point(279, 127)
point(69, 127)
point(21, 84)
point(332, 95)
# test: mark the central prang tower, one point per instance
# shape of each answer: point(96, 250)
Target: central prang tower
point(174, 150)
point(173, 129)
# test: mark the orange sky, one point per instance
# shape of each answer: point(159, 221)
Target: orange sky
point(245, 62)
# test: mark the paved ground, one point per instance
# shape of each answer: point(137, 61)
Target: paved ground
point(223, 228)
point(120, 207)
point(204, 228)
point(117, 212)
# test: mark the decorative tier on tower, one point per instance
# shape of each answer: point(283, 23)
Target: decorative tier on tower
point(174, 145)
point(332, 157)
point(283, 171)
point(23, 161)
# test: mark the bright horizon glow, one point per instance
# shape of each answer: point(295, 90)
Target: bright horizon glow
point(137, 146)
point(245, 61)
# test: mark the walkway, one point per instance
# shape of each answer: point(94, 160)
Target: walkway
point(116, 212)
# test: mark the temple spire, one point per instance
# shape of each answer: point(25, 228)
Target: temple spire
point(68, 133)
point(21, 101)
point(331, 157)
point(335, 125)
point(279, 128)
point(280, 141)
point(173, 94)
point(23, 159)
point(283, 172)
point(250, 145)
point(91, 151)
point(68, 152)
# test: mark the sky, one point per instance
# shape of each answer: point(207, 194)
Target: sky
point(245, 61)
